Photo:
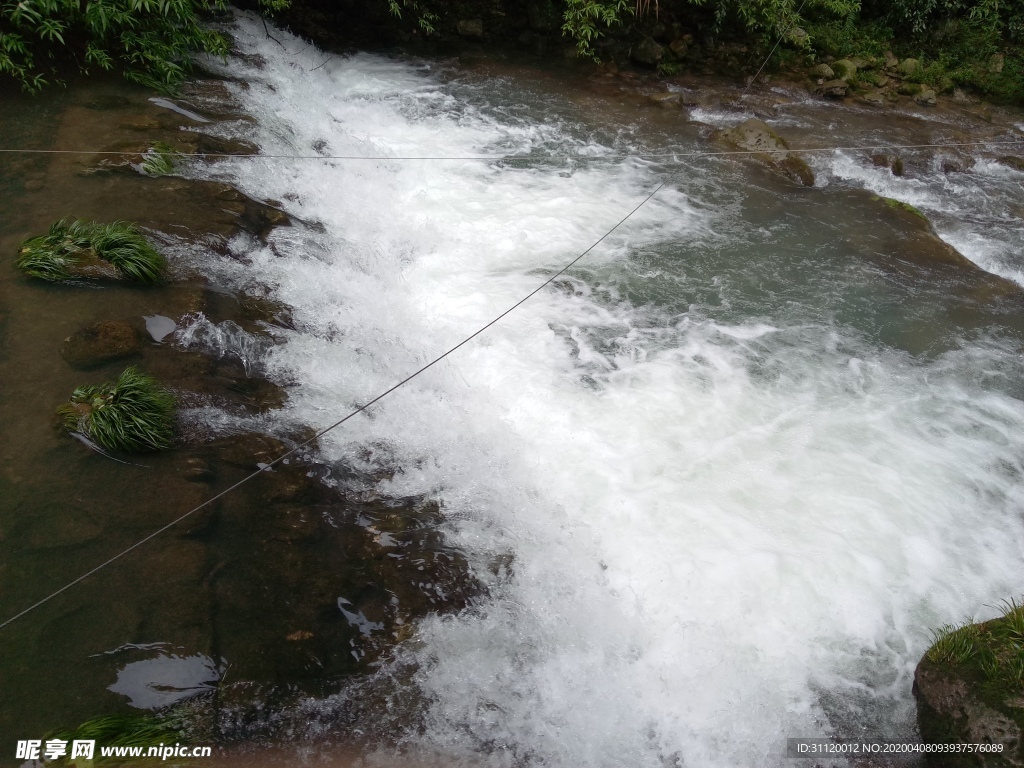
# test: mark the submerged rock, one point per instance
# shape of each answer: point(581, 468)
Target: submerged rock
point(768, 147)
point(667, 100)
point(100, 343)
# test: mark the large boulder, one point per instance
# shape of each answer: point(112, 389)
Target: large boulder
point(969, 689)
point(768, 147)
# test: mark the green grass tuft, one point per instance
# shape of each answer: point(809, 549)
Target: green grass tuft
point(161, 159)
point(132, 413)
point(56, 255)
point(954, 644)
point(991, 652)
point(126, 730)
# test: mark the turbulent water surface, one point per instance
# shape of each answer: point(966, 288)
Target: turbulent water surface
point(741, 473)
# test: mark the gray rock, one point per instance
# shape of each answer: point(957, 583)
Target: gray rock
point(470, 28)
point(100, 343)
point(647, 52)
point(875, 98)
point(926, 97)
point(769, 148)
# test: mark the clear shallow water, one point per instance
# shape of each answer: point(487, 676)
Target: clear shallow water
point(740, 470)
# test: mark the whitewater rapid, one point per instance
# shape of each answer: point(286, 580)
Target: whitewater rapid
point(729, 523)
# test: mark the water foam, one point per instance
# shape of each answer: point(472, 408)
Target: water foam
point(723, 533)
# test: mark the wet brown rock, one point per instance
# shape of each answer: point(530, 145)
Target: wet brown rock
point(100, 343)
point(1017, 163)
point(768, 147)
point(834, 89)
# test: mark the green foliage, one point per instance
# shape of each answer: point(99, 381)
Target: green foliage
point(58, 255)
point(901, 206)
point(161, 159)
point(151, 41)
point(954, 644)
point(126, 730)
point(995, 649)
point(587, 21)
point(132, 413)
point(425, 18)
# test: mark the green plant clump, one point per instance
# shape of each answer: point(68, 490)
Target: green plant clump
point(126, 730)
point(84, 249)
point(161, 159)
point(994, 650)
point(901, 206)
point(132, 413)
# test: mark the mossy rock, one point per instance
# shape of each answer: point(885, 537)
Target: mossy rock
point(88, 250)
point(767, 146)
point(970, 689)
point(131, 413)
point(900, 205)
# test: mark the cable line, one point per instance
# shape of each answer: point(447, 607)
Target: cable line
point(507, 158)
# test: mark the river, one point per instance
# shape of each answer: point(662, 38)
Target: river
point(736, 465)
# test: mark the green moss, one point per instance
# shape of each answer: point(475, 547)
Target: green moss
point(65, 252)
point(132, 413)
point(900, 205)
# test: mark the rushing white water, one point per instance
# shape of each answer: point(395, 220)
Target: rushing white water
point(733, 520)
